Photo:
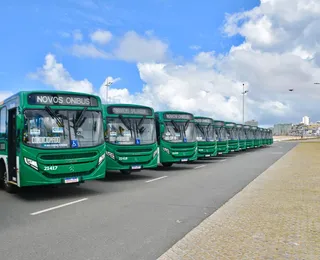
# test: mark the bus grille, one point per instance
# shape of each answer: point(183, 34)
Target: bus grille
point(143, 150)
point(68, 156)
point(66, 175)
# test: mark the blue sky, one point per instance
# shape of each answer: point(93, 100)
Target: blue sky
point(31, 29)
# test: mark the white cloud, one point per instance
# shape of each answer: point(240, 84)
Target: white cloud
point(101, 36)
point(54, 74)
point(4, 95)
point(77, 35)
point(135, 48)
point(88, 50)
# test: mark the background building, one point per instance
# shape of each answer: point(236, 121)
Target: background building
point(252, 123)
point(306, 120)
point(282, 129)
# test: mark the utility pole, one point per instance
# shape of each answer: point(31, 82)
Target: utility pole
point(243, 93)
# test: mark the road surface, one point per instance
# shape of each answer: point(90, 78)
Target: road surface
point(127, 217)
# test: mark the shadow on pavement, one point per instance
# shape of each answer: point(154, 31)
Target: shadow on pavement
point(174, 167)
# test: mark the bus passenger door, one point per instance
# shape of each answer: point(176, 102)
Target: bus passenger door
point(12, 146)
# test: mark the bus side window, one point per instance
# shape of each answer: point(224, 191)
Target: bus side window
point(3, 122)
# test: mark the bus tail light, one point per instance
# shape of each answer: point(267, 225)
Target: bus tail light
point(101, 158)
point(111, 155)
point(31, 163)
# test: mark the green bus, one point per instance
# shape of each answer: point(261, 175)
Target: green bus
point(50, 138)
point(269, 137)
point(257, 136)
point(241, 136)
point(233, 140)
point(176, 137)
point(222, 137)
point(249, 135)
point(130, 135)
point(206, 137)
point(264, 136)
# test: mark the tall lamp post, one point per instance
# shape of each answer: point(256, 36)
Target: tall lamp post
point(243, 93)
point(108, 84)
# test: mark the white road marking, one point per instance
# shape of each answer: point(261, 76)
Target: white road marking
point(200, 166)
point(156, 179)
point(57, 207)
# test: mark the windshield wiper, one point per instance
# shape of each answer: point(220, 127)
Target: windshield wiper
point(201, 129)
point(175, 126)
point(80, 119)
point(54, 116)
point(139, 129)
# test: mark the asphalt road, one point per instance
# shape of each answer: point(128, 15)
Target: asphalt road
point(128, 217)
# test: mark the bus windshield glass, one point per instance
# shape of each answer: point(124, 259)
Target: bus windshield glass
point(179, 131)
point(205, 133)
point(131, 131)
point(241, 134)
point(57, 129)
point(222, 134)
point(249, 134)
point(232, 133)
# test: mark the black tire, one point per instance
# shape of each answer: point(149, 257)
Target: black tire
point(8, 187)
point(167, 164)
point(125, 172)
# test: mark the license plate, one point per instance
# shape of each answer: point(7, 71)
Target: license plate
point(71, 180)
point(136, 167)
point(207, 155)
point(232, 150)
point(219, 152)
point(184, 160)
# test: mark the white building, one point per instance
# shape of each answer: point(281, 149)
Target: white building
point(306, 120)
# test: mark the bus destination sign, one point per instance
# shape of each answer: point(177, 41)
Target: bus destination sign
point(239, 126)
point(143, 111)
point(246, 127)
point(62, 100)
point(230, 125)
point(203, 120)
point(219, 123)
point(171, 116)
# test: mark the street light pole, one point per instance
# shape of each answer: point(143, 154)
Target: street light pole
point(107, 86)
point(243, 93)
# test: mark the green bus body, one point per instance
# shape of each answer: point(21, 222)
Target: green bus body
point(130, 135)
point(264, 137)
point(242, 137)
point(206, 137)
point(51, 138)
point(269, 137)
point(222, 137)
point(257, 136)
point(233, 141)
point(176, 137)
point(249, 136)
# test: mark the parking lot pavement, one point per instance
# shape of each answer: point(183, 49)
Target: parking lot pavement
point(274, 217)
point(126, 217)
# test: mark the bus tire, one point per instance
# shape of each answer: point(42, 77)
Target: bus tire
point(167, 164)
point(8, 187)
point(125, 172)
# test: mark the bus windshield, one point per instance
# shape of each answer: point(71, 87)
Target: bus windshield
point(205, 133)
point(249, 134)
point(56, 129)
point(241, 134)
point(177, 131)
point(222, 134)
point(131, 131)
point(232, 133)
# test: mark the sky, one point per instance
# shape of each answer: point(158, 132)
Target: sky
point(169, 54)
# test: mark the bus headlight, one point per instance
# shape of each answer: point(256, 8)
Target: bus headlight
point(31, 163)
point(166, 150)
point(111, 155)
point(155, 153)
point(101, 158)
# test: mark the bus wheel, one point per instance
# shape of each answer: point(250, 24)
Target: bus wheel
point(125, 172)
point(167, 164)
point(8, 187)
